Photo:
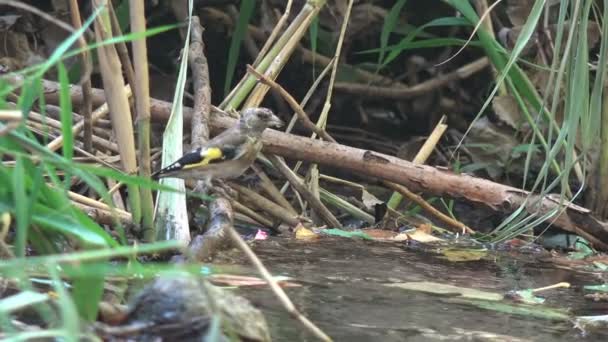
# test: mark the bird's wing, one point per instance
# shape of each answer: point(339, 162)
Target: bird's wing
point(228, 145)
point(195, 158)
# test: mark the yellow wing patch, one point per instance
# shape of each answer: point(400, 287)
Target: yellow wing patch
point(207, 155)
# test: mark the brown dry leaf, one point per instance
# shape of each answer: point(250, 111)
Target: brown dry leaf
point(422, 234)
point(459, 255)
point(369, 200)
point(486, 142)
point(425, 228)
point(507, 110)
point(380, 234)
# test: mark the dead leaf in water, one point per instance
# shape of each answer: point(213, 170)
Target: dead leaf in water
point(459, 255)
point(421, 236)
point(446, 289)
point(381, 234)
point(303, 233)
point(507, 110)
point(240, 281)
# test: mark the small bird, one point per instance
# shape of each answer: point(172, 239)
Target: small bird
point(229, 154)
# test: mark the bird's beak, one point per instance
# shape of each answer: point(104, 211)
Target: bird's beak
point(275, 122)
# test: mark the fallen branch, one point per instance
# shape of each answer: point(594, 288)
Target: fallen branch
point(427, 179)
point(216, 237)
point(427, 207)
point(418, 178)
point(401, 93)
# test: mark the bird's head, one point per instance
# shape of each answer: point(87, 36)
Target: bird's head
point(258, 119)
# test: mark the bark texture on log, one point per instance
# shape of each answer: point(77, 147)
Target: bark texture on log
point(431, 180)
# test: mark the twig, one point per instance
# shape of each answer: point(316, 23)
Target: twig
point(275, 32)
point(202, 90)
point(267, 205)
point(278, 56)
point(56, 132)
point(105, 216)
point(272, 190)
point(87, 107)
point(77, 128)
point(423, 154)
point(294, 117)
point(334, 71)
point(292, 102)
point(421, 157)
point(295, 181)
point(401, 93)
point(429, 208)
point(322, 121)
point(250, 213)
point(10, 115)
point(6, 129)
point(263, 52)
point(274, 286)
point(34, 10)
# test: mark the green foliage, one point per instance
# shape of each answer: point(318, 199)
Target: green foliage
point(65, 103)
point(34, 197)
point(314, 38)
point(391, 21)
point(246, 11)
point(408, 42)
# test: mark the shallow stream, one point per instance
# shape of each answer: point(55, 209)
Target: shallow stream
point(344, 290)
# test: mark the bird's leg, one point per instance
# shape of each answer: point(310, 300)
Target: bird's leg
point(204, 186)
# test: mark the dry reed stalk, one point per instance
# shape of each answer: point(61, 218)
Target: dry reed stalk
point(87, 107)
point(118, 103)
point(141, 89)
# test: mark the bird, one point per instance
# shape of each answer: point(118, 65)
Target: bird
point(229, 154)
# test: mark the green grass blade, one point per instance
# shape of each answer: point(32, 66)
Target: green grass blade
point(396, 50)
point(245, 13)
point(65, 102)
point(595, 107)
point(390, 22)
point(90, 256)
point(22, 215)
point(32, 87)
point(313, 31)
point(87, 293)
point(67, 309)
